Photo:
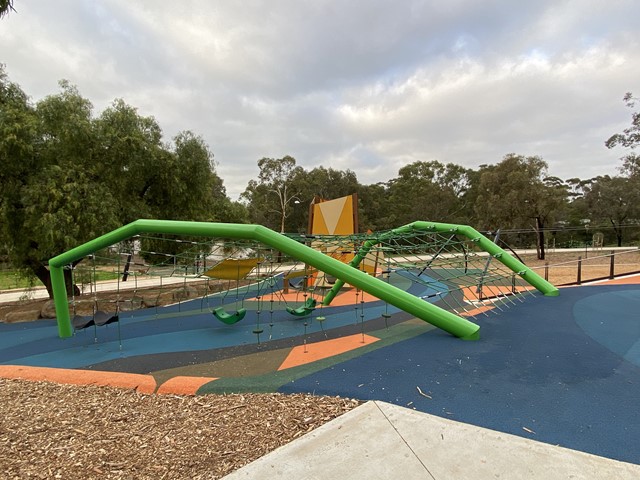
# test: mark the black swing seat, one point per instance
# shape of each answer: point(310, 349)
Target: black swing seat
point(105, 318)
point(308, 307)
point(99, 319)
point(80, 322)
point(229, 318)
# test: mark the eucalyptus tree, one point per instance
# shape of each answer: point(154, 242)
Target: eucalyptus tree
point(68, 177)
point(517, 193)
point(271, 197)
point(629, 138)
point(428, 191)
point(375, 213)
point(6, 6)
point(614, 201)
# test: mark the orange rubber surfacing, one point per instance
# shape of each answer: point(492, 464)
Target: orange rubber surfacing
point(182, 385)
point(312, 352)
point(133, 381)
point(347, 296)
point(476, 311)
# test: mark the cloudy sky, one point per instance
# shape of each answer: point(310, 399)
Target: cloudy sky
point(366, 85)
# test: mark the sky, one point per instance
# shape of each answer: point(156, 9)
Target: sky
point(364, 85)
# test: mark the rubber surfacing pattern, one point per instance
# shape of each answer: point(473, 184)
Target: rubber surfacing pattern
point(563, 370)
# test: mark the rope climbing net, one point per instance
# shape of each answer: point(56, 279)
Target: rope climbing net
point(413, 268)
point(444, 267)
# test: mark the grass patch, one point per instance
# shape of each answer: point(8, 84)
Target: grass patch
point(12, 279)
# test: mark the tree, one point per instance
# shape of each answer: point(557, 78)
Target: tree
point(374, 213)
point(51, 201)
point(516, 193)
point(68, 177)
point(629, 138)
point(129, 159)
point(6, 6)
point(614, 200)
point(428, 191)
point(270, 198)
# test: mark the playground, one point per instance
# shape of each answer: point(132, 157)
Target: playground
point(434, 318)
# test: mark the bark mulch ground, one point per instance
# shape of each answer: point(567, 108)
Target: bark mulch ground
point(50, 431)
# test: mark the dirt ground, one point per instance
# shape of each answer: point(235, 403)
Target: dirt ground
point(562, 267)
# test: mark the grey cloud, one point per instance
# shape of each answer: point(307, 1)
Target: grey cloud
point(366, 85)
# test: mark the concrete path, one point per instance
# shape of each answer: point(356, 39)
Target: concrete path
point(9, 296)
point(380, 441)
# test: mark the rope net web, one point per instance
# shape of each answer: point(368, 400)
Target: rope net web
point(444, 268)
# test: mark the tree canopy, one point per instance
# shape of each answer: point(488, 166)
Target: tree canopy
point(6, 6)
point(69, 177)
point(271, 197)
point(614, 200)
point(517, 192)
point(629, 138)
point(429, 190)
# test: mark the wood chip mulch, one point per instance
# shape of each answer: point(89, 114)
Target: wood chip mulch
point(57, 431)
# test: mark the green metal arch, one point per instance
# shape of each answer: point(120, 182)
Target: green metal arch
point(451, 323)
point(515, 265)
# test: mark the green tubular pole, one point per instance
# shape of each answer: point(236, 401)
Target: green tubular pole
point(437, 316)
point(432, 314)
point(528, 275)
point(354, 263)
point(60, 301)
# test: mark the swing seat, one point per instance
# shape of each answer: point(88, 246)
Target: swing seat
point(104, 318)
point(308, 307)
point(79, 322)
point(229, 318)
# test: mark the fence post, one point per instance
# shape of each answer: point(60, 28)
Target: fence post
point(579, 279)
point(546, 271)
point(612, 265)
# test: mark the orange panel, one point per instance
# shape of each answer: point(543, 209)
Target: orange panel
point(319, 226)
point(345, 222)
point(333, 217)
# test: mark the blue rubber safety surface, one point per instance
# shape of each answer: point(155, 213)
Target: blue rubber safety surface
point(186, 327)
point(561, 370)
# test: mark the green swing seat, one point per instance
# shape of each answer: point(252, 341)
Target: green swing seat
point(308, 307)
point(229, 318)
